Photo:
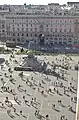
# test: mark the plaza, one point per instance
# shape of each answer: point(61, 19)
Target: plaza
point(41, 84)
point(33, 95)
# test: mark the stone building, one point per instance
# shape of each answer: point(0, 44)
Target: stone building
point(52, 23)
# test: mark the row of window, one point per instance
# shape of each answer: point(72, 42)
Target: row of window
point(52, 30)
point(60, 39)
point(55, 21)
point(31, 25)
point(22, 34)
point(31, 29)
point(55, 40)
point(47, 29)
point(60, 30)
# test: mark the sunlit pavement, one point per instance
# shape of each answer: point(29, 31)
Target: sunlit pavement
point(45, 106)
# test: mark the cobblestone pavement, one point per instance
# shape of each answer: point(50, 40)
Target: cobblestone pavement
point(36, 85)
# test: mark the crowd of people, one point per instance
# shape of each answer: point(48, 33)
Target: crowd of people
point(44, 87)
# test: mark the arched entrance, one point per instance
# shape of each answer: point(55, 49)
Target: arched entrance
point(41, 39)
point(41, 35)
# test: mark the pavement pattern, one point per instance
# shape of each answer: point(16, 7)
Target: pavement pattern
point(37, 96)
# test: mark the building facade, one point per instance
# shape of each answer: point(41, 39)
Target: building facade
point(56, 23)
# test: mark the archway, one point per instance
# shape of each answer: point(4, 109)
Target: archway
point(41, 39)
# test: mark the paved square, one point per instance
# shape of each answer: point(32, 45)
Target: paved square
point(46, 102)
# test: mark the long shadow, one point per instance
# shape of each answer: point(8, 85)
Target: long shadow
point(73, 111)
point(40, 117)
point(28, 94)
point(10, 115)
point(60, 94)
point(67, 95)
point(56, 109)
point(24, 116)
point(17, 114)
point(73, 92)
point(63, 105)
point(28, 105)
point(18, 102)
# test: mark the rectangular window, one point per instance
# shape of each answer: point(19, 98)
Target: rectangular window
point(47, 29)
point(51, 30)
point(18, 39)
point(35, 29)
point(18, 34)
point(13, 34)
point(22, 29)
point(13, 29)
point(55, 29)
point(70, 21)
point(47, 25)
point(60, 30)
point(64, 30)
point(18, 29)
point(70, 30)
point(22, 34)
point(13, 39)
point(31, 29)
point(26, 29)
point(3, 30)
point(18, 25)
point(3, 26)
point(35, 35)
point(56, 21)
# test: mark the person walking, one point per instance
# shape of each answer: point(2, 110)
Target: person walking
point(47, 117)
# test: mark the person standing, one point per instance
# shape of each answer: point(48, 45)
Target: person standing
point(47, 117)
